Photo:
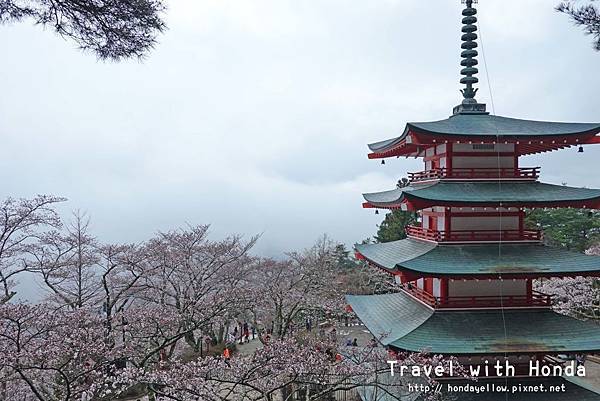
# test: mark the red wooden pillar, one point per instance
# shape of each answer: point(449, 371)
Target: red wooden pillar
point(428, 285)
point(449, 159)
point(447, 222)
point(444, 290)
point(521, 223)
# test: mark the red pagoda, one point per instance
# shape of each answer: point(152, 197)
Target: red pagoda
point(468, 266)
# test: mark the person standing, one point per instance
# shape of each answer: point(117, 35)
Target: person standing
point(226, 355)
point(246, 332)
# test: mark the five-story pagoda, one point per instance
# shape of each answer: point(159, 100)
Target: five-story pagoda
point(467, 269)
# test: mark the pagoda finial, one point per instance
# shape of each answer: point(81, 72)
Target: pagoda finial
point(469, 61)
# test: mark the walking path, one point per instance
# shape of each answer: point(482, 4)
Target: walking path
point(249, 347)
point(592, 370)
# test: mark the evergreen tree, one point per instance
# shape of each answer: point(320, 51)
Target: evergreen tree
point(586, 16)
point(113, 30)
point(394, 225)
point(574, 229)
point(342, 257)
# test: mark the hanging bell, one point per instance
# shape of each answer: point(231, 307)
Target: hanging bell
point(580, 149)
point(383, 162)
point(376, 211)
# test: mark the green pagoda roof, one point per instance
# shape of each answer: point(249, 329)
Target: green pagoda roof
point(509, 260)
point(407, 324)
point(484, 193)
point(485, 125)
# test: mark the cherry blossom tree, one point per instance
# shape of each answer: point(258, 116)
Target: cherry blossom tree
point(79, 272)
point(366, 280)
point(578, 297)
point(130, 319)
point(66, 261)
point(22, 222)
point(313, 368)
point(284, 293)
point(197, 279)
point(121, 270)
point(49, 354)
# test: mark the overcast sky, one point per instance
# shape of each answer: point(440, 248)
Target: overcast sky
point(254, 115)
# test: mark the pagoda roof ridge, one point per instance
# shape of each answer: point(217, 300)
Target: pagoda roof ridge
point(492, 192)
point(405, 325)
point(424, 258)
point(487, 125)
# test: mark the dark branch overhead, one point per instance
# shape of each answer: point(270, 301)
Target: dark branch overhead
point(112, 29)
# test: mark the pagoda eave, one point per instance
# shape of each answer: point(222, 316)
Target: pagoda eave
point(493, 194)
point(415, 259)
point(420, 204)
point(407, 324)
point(413, 275)
point(414, 141)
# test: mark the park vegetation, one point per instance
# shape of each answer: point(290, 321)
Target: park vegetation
point(153, 318)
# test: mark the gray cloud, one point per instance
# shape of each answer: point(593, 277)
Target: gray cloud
point(254, 116)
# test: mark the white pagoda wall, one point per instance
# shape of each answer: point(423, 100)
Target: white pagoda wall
point(485, 223)
point(470, 288)
point(483, 161)
point(475, 148)
point(473, 223)
point(439, 150)
point(440, 223)
point(437, 285)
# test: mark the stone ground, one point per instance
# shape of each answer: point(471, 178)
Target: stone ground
point(344, 333)
point(358, 331)
point(249, 347)
point(592, 370)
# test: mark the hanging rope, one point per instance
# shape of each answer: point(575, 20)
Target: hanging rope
point(500, 206)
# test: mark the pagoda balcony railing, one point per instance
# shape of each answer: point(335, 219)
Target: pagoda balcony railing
point(535, 300)
point(531, 173)
point(474, 235)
